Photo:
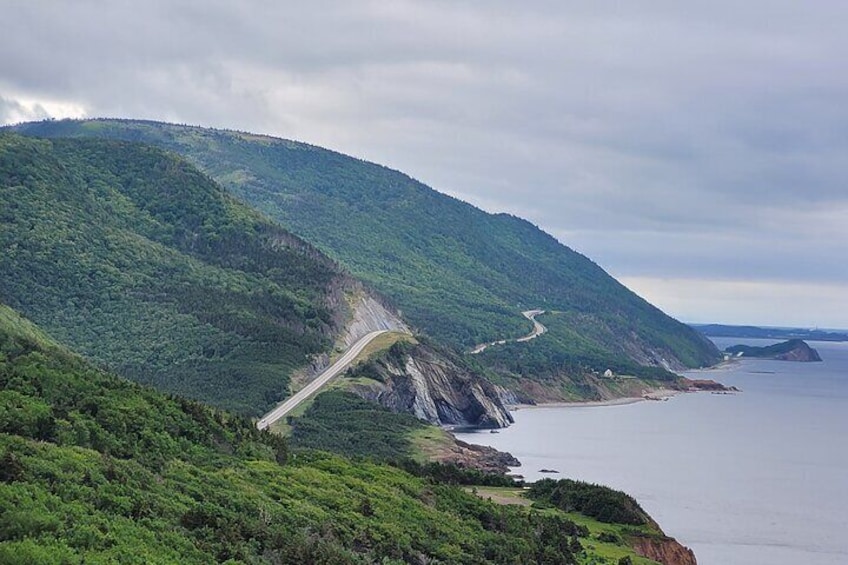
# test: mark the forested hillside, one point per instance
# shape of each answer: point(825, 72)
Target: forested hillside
point(458, 273)
point(95, 469)
point(141, 262)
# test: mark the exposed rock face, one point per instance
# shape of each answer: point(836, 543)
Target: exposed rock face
point(433, 387)
point(803, 353)
point(480, 457)
point(364, 314)
point(665, 550)
point(369, 315)
point(707, 385)
point(507, 397)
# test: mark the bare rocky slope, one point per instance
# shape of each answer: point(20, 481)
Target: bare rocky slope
point(425, 382)
point(369, 314)
point(431, 384)
point(665, 550)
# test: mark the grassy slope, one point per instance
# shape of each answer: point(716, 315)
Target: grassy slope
point(96, 469)
point(600, 550)
point(458, 273)
point(141, 262)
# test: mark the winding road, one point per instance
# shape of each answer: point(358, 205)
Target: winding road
point(538, 329)
point(340, 365)
point(353, 351)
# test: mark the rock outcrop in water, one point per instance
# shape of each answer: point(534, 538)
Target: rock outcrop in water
point(791, 350)
point(433, 385)
point(709, 385)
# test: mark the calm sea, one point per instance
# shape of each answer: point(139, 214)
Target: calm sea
point(755, 478)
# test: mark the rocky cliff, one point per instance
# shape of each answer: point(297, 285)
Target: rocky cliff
point(368, 314)
point(665, 550)
point(470, 456)
point(434, 385)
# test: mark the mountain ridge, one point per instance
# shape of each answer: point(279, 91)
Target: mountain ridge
point(142, 263)
point(458, 273)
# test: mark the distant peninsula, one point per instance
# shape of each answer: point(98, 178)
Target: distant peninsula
point(720, 330)
point(791, 350)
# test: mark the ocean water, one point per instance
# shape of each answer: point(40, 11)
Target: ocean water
point(755, 478)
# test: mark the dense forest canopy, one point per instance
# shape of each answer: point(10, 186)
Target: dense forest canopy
point(141, 262)
point(95, 469)
point(456, 272)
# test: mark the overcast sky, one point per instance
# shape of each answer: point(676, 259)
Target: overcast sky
point(695, 150)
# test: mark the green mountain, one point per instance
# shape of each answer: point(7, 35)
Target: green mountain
point(139, 261)
point(456, 272)
point(95, 469)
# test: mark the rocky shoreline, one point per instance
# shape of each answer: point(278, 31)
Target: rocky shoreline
point(479, 457)
point(662, 394)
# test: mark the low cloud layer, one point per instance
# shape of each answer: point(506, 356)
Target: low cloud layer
point(684, 146)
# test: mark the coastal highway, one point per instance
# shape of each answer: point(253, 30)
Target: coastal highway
point(340, 365)
point(538, 329)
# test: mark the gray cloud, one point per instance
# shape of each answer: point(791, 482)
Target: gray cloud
point(700, 140)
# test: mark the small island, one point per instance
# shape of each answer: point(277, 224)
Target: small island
point(791, 350)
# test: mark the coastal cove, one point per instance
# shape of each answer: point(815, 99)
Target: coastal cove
point(743, 479)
